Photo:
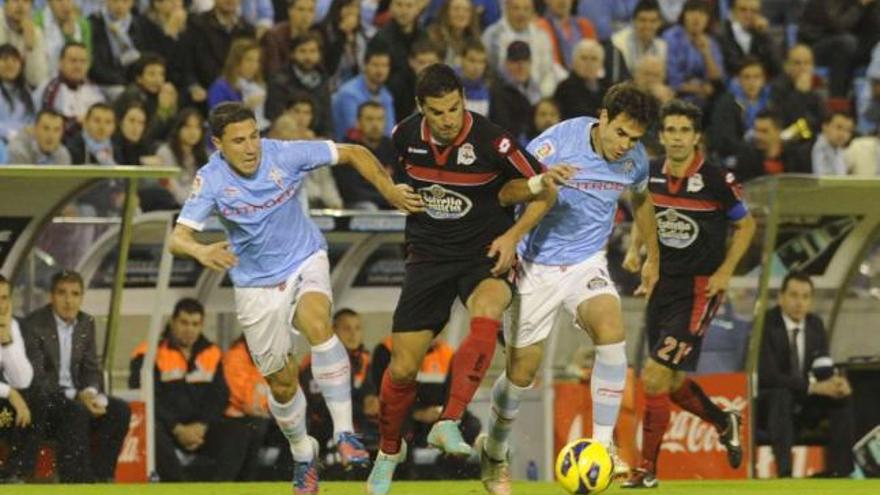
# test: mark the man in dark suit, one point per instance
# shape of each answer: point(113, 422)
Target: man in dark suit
point(794, 395)
point(71, 407)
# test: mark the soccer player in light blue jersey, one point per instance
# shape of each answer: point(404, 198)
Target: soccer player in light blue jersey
point(563, 266)
point(277, 259)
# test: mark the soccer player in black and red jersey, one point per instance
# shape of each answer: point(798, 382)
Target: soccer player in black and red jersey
point(696, 203)
point(462, 245)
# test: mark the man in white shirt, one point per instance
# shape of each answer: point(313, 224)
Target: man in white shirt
point(68, 379)
point(829, 150)
point(15, 414)
point(797, 386)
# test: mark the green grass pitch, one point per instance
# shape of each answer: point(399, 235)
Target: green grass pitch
point(774, 487)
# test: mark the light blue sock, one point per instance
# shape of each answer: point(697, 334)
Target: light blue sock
point(606, 388)
point(291, 419)
point(505, 406)
point(332, 370)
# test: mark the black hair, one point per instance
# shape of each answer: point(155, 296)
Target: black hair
point(72, 44)
point(147, 59)
point(19, 88)
point(200, 155)
point(684, 109)
point(304, 38)
point(50, 112)
point(368, 104)
point(770, 114)
point(628, 99)
point(425, 45)
point(436, 80)
point(344, 312)
point(795, 275)
point(749, 61)
point(376, 49)
point(100, 106)
point(66, 276)
point(646, 6)
point(188, 305)
point(227, 113)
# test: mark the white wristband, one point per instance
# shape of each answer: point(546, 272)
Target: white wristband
point(536, 184)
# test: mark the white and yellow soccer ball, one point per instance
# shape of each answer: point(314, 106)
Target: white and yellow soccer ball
point(584, 466)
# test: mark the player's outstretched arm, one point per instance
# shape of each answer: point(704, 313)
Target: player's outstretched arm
point(504, 247)
point(643, 211)
point(215, 256)
point(400, 196)
point(518, 191)
point(743, 231)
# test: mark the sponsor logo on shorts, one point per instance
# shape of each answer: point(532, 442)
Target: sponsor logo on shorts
point(466, 154)
point(597, 283)
point(444, 204)
point(417, 151)
point(676, 230)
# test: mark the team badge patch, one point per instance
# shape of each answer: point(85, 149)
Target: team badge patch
point(466, 154)
point(196, 187)
point(695, 183)
point(277, 177)
point(546, 149)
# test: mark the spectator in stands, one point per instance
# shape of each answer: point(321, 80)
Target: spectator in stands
point(402, 84)
point(783, 12)
point(627, 46)
point(42, 146)
point(650, 76)
point(456, 27)
point(70, 93)
point(473, 78)
point(518, 25)
point(16, 104)
point(260, 14)
point(185, 148)
point(368, 86)
point(242, 80)
point(863, 156)
point(118, 36)
point(301, 107)
point(734, 115)
point(348, 327)
point(345, 41)
point(514, 93)
point(191, 396)
point(607, 17)
point(564, 30)
point(694, 63)
point(18, 29)
point(398, 36)
point(797, 386)
point(792, 93)
point(17, 374)
point(212, 34)
point(150, 88)
point(830, 147)
point(93, 144)
point(868, 99)
point(547, 114)
point(768, 154)
point(841, 34)
point(61, 22)
point(356, 192)
point(743, 34)
point(303, 72)
point(62, 348)
point(277, 42)
point(581, 94)
point(167, 33)
point(131, 145)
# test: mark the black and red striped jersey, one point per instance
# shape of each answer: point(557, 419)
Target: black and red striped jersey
point(693, 216)
point(459, 185)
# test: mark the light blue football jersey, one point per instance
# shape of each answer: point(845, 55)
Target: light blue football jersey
point(267, 228)
point(578, 225)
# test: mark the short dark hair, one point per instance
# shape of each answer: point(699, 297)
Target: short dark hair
point(627, 98)
point(436, 80)
point(646, 6)
point(771, 115)
point(72, 44)
point(425, 45)
point(66, 276)
point(795, 275)
point(227, 113)
point(342, 312)
point(749, 61)
point(376, 49)
point(298, 97)
point(46, 111)
point(684, 109)
point(304, 38)
point(701, 5)
point(369, 104)
point(147, 59)
point(474, 45)
point(188, 305)
point(99, 106)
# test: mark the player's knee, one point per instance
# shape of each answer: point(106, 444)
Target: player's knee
point(283, 385)
point(608, 331)
point(403, 370)
point(521, 376)
point(488, 307)
point(317, 330)
point(655, 381)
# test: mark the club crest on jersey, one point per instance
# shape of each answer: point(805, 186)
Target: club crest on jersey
point(546, 149)
point(277, 177)
point(628, 166)
point(675, 229)
point(466, 154)
point(695, 183)
point(196, 187)
point(444, 204)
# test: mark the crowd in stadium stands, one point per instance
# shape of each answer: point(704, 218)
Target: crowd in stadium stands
point(786, 86)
